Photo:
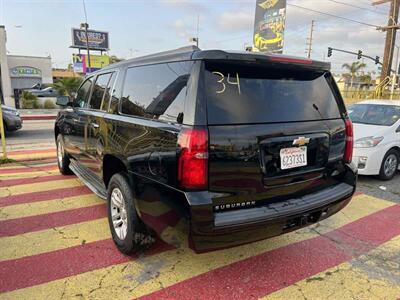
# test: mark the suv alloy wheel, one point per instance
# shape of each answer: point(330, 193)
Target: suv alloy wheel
point(127, 230)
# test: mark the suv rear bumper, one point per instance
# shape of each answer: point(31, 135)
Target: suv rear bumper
point(242, 226)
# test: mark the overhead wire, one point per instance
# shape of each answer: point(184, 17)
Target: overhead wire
point(335, 16)
point(359, 7)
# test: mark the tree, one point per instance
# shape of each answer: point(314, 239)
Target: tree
point(115, 59)
point(29, 100)
point(353, 70)
point(68, 85)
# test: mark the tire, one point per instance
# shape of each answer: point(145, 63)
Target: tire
point(128, 231)
point(390, 164)
point(62, 157)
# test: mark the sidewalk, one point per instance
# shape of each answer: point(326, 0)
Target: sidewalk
point(38, 114)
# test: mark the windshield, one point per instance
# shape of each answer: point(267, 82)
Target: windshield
point(374, 114)
point(243, 94)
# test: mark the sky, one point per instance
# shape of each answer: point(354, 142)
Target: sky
point(136, 28)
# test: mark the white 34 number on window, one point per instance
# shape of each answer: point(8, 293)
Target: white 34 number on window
point(228, 80)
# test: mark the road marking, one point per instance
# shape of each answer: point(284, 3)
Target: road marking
point(34, 151)
point(36, 156)
point(44, 195)
point(39, 187)
point(57, 219)
point(375, 275)
point(37, 242)
point(273, 270)
point(149, 274)
point(20, 181)
point(15, 171)
point(30, 271)
point(50, 206)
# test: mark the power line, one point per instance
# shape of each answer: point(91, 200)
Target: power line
point(358, 7)
point(335, 16)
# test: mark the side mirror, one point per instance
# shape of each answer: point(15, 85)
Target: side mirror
point(398, 129)
point(63, 101)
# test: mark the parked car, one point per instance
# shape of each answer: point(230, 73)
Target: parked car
point(377, 137)
point(11, 118)
point(226, 147)
point(46, 92)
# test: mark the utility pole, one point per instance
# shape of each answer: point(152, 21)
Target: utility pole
point(197, 33)
point(310, 39)
point(390, 29)
point(86, 26)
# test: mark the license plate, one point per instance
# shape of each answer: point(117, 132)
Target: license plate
point(293, 157)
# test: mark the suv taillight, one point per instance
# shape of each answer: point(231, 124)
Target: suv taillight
point(348, 150)
point(193, 158)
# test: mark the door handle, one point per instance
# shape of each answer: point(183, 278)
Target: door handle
point(95, 125)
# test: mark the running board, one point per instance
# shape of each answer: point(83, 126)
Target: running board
point(89, 179)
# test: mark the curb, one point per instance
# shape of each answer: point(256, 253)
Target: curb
point(38, 117)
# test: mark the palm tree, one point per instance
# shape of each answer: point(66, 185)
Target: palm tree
point(353, 69)
point(67, 86)
point(115, 59)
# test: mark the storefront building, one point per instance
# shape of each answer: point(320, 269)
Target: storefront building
point(20, 72)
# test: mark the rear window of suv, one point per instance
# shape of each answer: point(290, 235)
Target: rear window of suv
point(243, 94)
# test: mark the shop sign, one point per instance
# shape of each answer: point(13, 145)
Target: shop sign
point(25, 72)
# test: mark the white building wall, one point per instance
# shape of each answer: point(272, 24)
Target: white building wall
point(5, 76)
point(41, 63)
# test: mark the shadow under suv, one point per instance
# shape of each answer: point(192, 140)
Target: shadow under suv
point(224, 147)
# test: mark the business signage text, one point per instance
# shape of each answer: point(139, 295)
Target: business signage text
point(269, 25)
point(81, 65)
point(98, 40)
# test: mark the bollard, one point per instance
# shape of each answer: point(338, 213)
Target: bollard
point(2, 132)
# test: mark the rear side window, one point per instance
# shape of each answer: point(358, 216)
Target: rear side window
point(156, 91)
point(99, 90)
point(107, 93)
point(239, 94)
point(83, 93)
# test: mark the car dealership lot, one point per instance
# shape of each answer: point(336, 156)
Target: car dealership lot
point(55, 243)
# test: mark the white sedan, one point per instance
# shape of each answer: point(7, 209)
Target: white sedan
point(376, 137)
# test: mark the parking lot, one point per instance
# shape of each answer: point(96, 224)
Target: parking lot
point(55, 244)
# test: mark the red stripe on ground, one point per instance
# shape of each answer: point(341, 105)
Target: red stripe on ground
point(29, 169)
point(35, 159)
point(51, 220)
point(37, 151)
point(19, 181)
point(37, 269)
point(38, 117)
point(45, 195)
point(271, 271)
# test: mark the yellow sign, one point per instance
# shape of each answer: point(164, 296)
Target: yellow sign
point(96, 62)
point(99, 61)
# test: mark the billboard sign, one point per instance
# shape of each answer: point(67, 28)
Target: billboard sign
point(81, 65)
point(98, 40)
point(269, 25)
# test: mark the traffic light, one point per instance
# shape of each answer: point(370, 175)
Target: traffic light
point(359, 55)
point(329, 51)
point(376, 60)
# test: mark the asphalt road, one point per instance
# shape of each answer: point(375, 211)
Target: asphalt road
point(33, 133)
point(40, 134)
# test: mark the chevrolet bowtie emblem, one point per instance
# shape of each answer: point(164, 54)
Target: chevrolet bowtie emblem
point(301, 141)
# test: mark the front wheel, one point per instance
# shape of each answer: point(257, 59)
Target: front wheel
point(127, 230)
point(62, 157)
point(389, 165)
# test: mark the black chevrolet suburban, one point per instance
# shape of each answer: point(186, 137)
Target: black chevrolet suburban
point(223, 147)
